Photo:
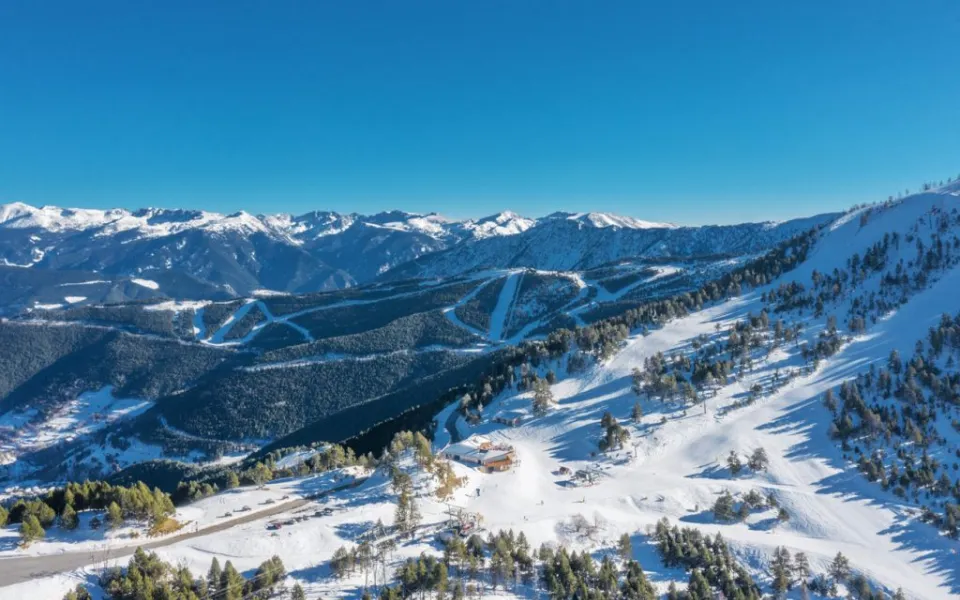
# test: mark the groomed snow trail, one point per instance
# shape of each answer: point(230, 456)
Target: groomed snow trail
point(500, 315)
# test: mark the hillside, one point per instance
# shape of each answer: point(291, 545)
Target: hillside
point(285, 364)
point(804, 405)
point(564, 242)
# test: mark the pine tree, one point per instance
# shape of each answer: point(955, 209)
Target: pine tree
point(78, 593)
point(840, 568)
point(31, 530)
point(297, 593)
point(401, 514)
point(758, 460)
point(699, 588)
point(231, 582)
point(781, 571)
point(114, 515)
point(213, 576)
point(723, 507)
point(413, 515)
point(232, 480)
point(68, 518)
point(542, 397)
point(625, 548)
point(733, 462)
point(801, 566)
point(637, 414)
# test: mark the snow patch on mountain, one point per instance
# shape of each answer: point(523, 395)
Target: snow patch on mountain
point(147, 283)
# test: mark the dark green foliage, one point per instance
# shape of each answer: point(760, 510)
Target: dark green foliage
point(555, 323)
point(147, 576)
point(274, 336)
point(369, 427)
point(78, 593)
point(137, 502)
point(618, 282)
point(129, 317)
point(28, 349)
point(288, 304)
point(246, 323)
point(505, 560)
point(21, 510)
point(277, 401)
point(538, 295)
point(69, 519)
point(615, 435)
point(216, 314)
point(415, 331)
point(164, 474)
point(89, 359)
point(346, 320)
point(476, 311)
point(709, 560)
point(31, 530)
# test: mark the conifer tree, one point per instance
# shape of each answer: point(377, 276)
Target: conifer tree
point(31, 530)
point(624, 547)
point(68, 518)
point(114, 515)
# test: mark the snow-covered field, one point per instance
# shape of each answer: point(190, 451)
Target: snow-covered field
point(25, 431)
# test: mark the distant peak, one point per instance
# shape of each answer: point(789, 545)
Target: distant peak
point(500, 224)
point(602, 220)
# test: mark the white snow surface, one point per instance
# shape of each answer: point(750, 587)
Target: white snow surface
point(147, 283)
point(27, 431)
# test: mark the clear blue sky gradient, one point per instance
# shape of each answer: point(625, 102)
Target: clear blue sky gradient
point(691, 111)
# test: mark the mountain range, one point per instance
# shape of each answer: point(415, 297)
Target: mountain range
point(203, 255)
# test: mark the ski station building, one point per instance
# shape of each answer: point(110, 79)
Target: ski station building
point(482, 453)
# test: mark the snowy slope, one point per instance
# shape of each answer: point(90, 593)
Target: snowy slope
point(235, 254)
point(567, 242)
point(897, 266)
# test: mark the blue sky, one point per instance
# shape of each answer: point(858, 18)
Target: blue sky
point(691, 111)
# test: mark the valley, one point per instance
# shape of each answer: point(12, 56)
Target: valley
point(800, 402)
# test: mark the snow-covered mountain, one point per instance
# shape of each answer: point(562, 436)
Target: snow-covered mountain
point(569, 241)
point(233, 255)
point(801, 413)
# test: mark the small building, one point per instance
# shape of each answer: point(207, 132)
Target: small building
point(482, 453)
point(510, 418)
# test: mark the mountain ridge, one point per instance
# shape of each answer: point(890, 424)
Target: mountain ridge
point(237, 253)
